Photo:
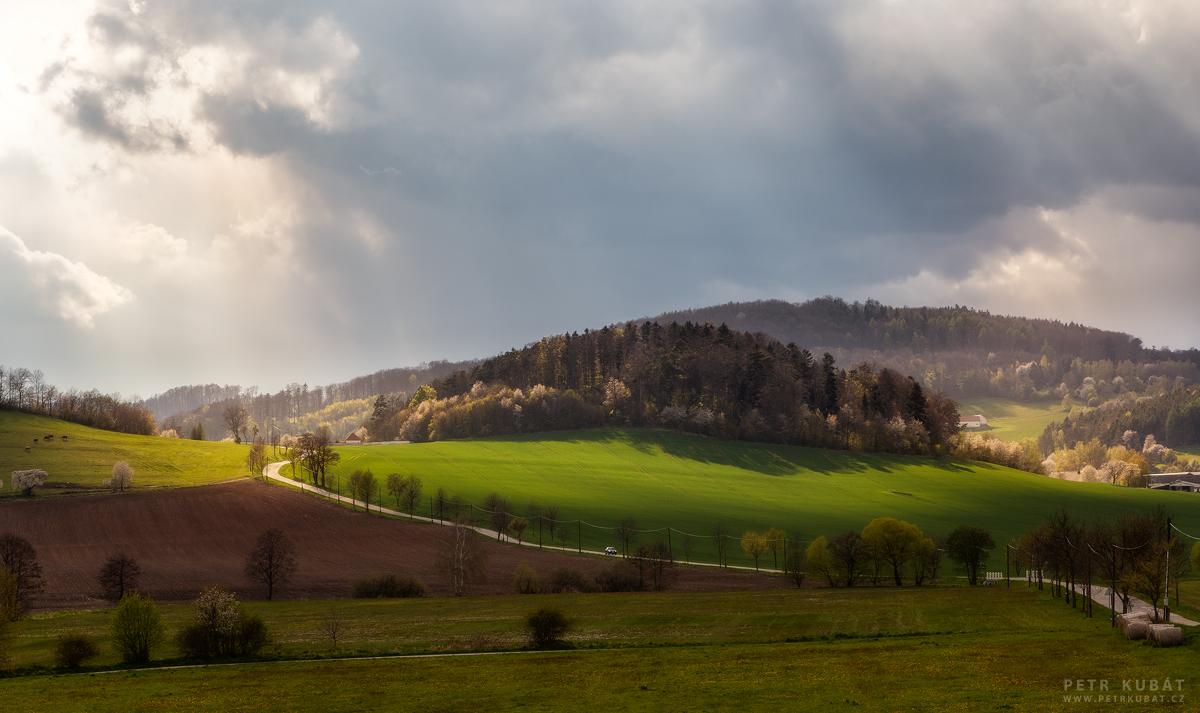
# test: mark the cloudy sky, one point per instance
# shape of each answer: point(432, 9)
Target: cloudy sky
point(266, 192)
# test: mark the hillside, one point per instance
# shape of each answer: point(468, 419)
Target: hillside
point(663, 478)
point(86, 458)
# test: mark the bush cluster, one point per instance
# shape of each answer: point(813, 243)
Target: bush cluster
point(387, 586)
point(222, 627)
point(547, 625)
point(620, 576)
point(73, 649)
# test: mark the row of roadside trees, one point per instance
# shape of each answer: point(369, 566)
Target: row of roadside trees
point(1132, 554)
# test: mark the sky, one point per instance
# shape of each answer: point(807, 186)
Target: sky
point(305, 191)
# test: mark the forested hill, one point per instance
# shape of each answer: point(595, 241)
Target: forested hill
point(699, 378)
point(830, 322)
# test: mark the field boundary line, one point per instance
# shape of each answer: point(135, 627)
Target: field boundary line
point(343, 658)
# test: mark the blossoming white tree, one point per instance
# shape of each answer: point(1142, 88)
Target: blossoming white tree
point(122, 475)
point(27, 480)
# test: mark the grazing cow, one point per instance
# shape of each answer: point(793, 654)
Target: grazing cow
point(64, 438)
point(50, 437)
point(27, 449)
point(35, 440)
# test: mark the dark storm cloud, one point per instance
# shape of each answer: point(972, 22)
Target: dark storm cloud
point(471, 176)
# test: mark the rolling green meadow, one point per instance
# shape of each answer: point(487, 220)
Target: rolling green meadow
point(664, 478)
point(950, 648)
point(87, 457)
point(1014, 420)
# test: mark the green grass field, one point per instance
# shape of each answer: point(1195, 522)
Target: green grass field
point(87, 457)
point(868, 649)
point(1014, 420)
point(663, 478)
point(1188, 452)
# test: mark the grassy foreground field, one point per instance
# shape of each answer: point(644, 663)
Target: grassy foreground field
point(87, 457)
point(866, 649)
point(663, 478)
point(1014, 420)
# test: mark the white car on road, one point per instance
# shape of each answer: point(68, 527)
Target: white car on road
point(610, 550)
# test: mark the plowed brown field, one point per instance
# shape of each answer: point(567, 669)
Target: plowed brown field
point(187, 538)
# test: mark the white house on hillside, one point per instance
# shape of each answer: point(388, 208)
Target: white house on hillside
point(976, 421)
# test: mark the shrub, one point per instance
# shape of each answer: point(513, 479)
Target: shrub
point(794, 565)
point(547, 625)
point(73, 649)
point(222, 627)
point(136, 628)
point(525, 580)
point(193, 641)
point(252, 635)
point(565, 579)
point(618, 577)
point(387, 586)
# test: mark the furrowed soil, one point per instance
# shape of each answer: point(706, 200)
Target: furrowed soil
point(188, 538)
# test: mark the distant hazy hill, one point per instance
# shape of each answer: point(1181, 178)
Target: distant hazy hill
point(834, 323)
point(296, 407)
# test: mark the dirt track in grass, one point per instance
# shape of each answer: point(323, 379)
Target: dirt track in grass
point(187, 538)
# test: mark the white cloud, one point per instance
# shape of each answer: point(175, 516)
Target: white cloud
point(149, 244)
point(77, 293)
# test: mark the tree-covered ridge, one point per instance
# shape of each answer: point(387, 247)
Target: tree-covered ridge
point(958, 350)
point(695, 377)
point(833, 322)
point(1171, 416)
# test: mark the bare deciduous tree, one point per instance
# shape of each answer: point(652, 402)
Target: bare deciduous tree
point(395, 486)
point(119, 575)
point(363, 486)
point(498, 509)
point(411, 497)
point(236, 420)
point(272, 562)
point(19, 559)
point(462, 559)
point(257, 459)
point(720, 533)
point(688, 543)
point(332, 625)
point(627, 532)
point(440, 503)
point(550, 513)
point(654, 565)
point(847, 555)
point(314, 452)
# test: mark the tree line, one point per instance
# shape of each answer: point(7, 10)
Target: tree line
point(1130, 554)
point(29, 392)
